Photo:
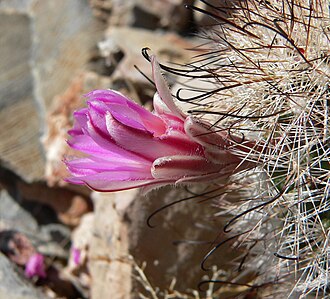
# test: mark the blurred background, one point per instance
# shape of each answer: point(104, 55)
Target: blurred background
point(51, 54)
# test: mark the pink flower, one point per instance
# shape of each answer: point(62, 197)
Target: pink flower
point(127, 146)
point(35, 266)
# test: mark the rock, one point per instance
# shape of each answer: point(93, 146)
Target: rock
point(45, 238)
point(120, 230)
point(16, 246)
point(59, 121)
point(13, 216)
point(20, 148)
point(223, 10)
point(130, 41)
point(44, 44)
point(13, 285)
point(108, 265)
point(81, 240)
point(59, 58)
point(68, 205)
point(16, 6)
point(146, 14)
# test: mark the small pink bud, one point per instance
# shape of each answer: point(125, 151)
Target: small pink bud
point(75, 252)
point(35, 266)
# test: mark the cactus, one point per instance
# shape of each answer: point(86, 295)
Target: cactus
point(263, 76)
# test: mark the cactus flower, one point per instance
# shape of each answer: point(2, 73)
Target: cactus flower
point(128, 146)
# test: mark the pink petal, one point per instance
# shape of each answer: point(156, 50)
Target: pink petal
point(126, 111)
point(80, 120)
point(92, 165)
point(105, 141)
point(145, 144)
point(163, 90)
point(86, 144)
point(112, 181)
point(96, 116)
point(106, 96)
point(218, 147)
point(104, 149)
point(177, 167)
point(137, 114)
point(159, 106)
point(201, 133)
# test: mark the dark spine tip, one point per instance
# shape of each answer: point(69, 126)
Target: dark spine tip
point(145, 54)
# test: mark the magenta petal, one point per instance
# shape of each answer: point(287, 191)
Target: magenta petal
point(106, 142)
point(93, 165)
point(102, 146)
point(86, 144)
point(137, 117)
point(76, 255)
point(106, 96)
point(130, 147)
point(126, 111)
point(145, 144)
point(114, 181)
point(96, 116)
point(177, 167)
point(113, 176)
point(80, 118)
point(35, 266)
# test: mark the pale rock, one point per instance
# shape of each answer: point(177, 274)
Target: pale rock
point(46, 238)
point(109, 266)
point(60, 119)
point(169, 48)
point(44, 43)
point(20, 149)
point(13, 285)
point(81, 238)
point(13, 216)
point(120, 231)
point(148, 14)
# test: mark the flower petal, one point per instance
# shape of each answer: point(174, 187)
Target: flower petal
point(126, 111)
point(80, 120)
point(177, 167)
point(163, 90)
point(114, 181)
point(99, 145)
point(200, 133)
point(92, 165)
point(145, 144)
